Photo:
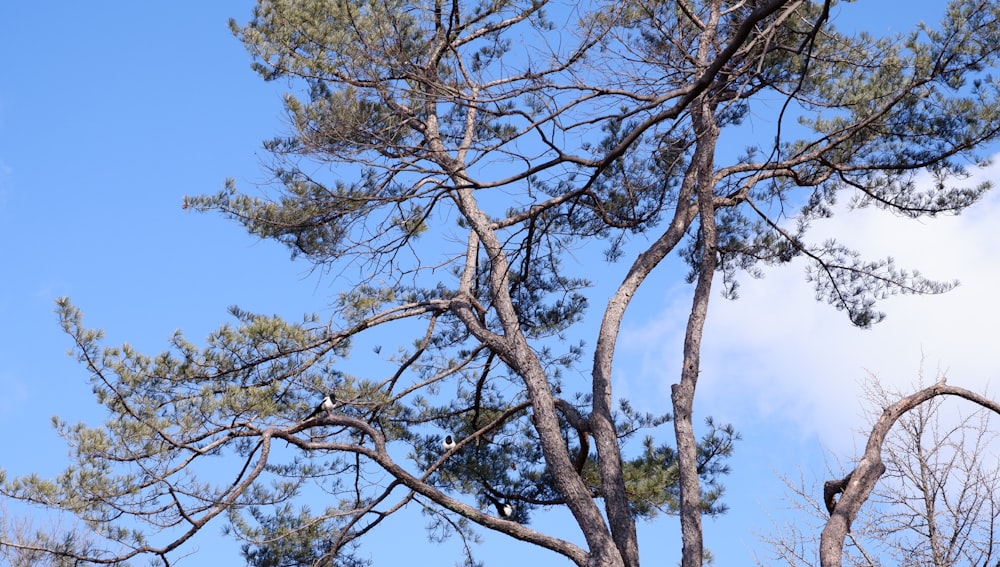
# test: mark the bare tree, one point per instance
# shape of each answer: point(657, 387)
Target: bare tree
point(938, 505)
point(938, 502)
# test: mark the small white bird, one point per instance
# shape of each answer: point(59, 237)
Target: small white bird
point(327, 405)
point(448, 443)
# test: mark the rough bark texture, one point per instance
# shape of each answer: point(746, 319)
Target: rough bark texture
point(682, 394)
point(514, 350)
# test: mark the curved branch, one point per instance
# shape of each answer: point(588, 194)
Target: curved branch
point(856, 487)
point(380, 455)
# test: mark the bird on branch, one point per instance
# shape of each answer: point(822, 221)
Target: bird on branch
point(504, 509)
point(328, 404)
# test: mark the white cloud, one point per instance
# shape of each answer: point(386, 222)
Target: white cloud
point(778, 355)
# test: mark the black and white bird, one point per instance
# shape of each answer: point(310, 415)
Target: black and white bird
point(327, 405)
point(504, 509)
point(448, 443)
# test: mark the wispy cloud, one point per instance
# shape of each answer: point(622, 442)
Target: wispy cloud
point(776, 354)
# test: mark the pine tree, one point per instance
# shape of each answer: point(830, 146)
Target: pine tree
point(448, 160)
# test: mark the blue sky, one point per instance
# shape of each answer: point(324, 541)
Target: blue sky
point(111, 112)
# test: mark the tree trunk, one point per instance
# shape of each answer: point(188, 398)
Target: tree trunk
point(682, 394)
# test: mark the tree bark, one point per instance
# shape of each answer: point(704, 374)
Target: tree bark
point(682, 393)
point(512, 347)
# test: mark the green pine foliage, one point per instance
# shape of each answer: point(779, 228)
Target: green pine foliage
point(463, 156)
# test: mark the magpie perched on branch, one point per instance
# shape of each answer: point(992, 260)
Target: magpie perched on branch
point(504, 509)
point(327, 405)
point(448, 443)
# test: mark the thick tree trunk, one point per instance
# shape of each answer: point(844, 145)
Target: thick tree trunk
point(682, 394)
point(514, 350)
point(602, 426)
